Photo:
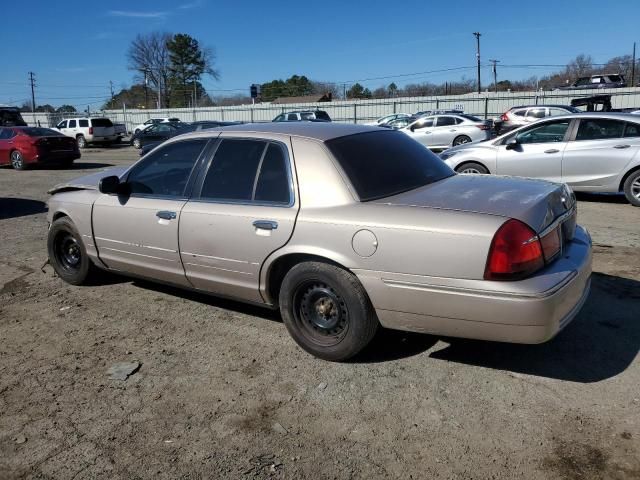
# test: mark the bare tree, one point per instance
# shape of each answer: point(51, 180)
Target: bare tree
point(149, 57)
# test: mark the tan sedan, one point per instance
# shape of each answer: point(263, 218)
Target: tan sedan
point(344, 228)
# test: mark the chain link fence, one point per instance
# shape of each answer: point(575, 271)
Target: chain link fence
point(486, 105)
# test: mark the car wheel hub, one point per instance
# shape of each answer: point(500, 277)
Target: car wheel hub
point(635, 188)
point(321, 313)
point(470, 170)
point(68, 252)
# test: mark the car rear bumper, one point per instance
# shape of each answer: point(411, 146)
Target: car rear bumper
point(533, 310)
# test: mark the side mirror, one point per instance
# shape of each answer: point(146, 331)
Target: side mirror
point(109, 185)
point(512, 143)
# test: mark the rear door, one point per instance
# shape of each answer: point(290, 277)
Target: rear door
point(601, 150)
point(444, 131)
point(138, 233)
point(538, 153)
point(243, 209)
point(5, 145)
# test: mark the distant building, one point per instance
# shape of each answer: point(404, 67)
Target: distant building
point(326, 97)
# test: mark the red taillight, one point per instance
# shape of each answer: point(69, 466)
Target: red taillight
point(90, 130)
point(515, 252)
point(550, 244)
point(483, 127)
point(504, 117)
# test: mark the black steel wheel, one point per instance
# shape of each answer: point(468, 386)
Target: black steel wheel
point(327, 311)
point(67, 253)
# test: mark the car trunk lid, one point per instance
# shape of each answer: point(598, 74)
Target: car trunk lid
point(537, 203)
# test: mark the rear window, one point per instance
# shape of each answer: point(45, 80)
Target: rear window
point(615, 78)
point(381, 164)
point(174, 119)
point(101, 122)
point(322, 115)
point(41, 132)
point(470, 117)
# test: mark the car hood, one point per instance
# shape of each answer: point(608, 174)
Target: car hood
point(87, 182)
point(535, 202)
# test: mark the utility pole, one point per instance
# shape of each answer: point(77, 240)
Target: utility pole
point(32, 81)
point(633, 66)
point(477, 35)
point(146, 90)
point(111, 88)
point(495, 74)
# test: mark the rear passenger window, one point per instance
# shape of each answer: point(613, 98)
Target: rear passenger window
point(273, 178)
point(632, 130)
point(292, 116)
point(445, 121)
point(233, 170)
point(83, 123)
point(536, 113)
point(599, 129)
point(72, 124)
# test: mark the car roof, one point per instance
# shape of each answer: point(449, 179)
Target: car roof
point(548, 105)
point(322, 131)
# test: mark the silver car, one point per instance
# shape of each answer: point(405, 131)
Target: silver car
point(443, 131)
point(526, 114)
point(343, 228)
point(591, 152)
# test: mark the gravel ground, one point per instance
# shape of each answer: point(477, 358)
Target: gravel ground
point(222, 392)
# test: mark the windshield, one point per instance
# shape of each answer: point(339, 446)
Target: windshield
point(384, 163)
point(41, 132)
point(470, 117)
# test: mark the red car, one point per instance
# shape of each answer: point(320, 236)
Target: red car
point(22, 146)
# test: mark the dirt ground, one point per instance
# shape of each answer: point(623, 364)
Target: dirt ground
point(223, 392)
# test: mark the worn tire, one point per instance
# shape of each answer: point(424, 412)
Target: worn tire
point(461, 140)
point(631, 188)
point(356, 321)
point(82, 142)
point(17, 161)
point(64, 237)
point(472, 167)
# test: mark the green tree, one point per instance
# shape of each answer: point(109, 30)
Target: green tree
point(358, 91)
point(66, 109)
point(295, 86)
point(188, 62)
point(392, 89)
point(45, 108)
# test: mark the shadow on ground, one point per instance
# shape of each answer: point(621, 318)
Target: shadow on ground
point(601, 197)
point(600, 343)
point(20, 207)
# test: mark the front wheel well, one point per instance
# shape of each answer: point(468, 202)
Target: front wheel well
point(58, 215)
point(281, 267)
point(467, 162)
point(627, 175)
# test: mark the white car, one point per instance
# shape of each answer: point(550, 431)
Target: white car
point(153, 121)
point(388, 118)
point(444, 131)
point(89, 130)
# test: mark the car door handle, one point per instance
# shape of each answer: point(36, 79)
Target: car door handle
point(453, 130)
point(552, 150)
point(166, 215)
point(621, 146)
point(265, 224)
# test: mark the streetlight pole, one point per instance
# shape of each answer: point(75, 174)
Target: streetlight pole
point(477, 35)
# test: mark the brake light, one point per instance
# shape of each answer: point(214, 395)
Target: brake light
point(550, 244)
point(90, 130)
point(483, 127)
point(515, 252)
point(504, 117)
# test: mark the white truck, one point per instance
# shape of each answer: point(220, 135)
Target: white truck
point(89, 130)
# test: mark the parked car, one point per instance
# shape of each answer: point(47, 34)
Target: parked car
point(191, 127)
point(153, 121)
point(120, 130)
point(11, 117)
point(89, 130)
point(399, 123)
point(24, 146)
point(382, 121)
point(304, 115)
point(591, 152)
point(443, 131)
point(424, 113)
point(607, 80)
point(524, 114)
point(156, 133)
point(226, 212)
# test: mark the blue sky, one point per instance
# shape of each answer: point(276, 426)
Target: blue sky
point(75, 47)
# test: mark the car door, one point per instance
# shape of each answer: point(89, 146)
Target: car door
point(5, 145)
point(421, 130)
point(444, 131)
point(137, 233)
point(72, 128)
point(62, 126)
point(537, 152)
point(243, 209)
point(599, 153)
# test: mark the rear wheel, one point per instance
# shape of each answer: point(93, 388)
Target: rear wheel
point(632, 188)
point(67, 253)
point(327, 311)
point(461, 140)
point(82, 142)
point(472, 167)
point(136, 143)
point(17, 160)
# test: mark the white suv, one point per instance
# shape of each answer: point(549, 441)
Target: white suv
point(89, 130)
point(153, 121)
